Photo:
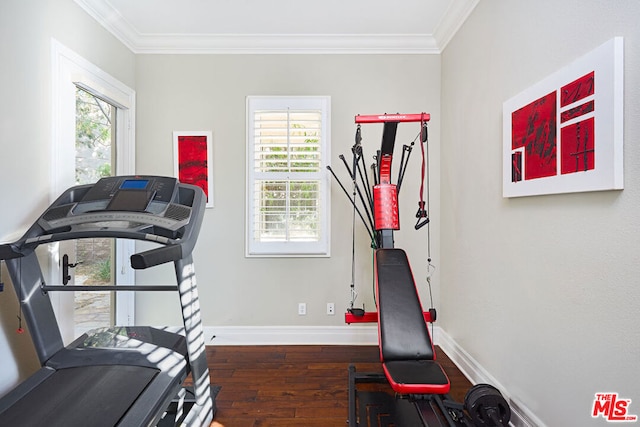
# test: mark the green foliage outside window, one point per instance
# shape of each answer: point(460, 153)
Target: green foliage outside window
point(93, 137)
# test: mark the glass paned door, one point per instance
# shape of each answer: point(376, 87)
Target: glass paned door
point(94, 257)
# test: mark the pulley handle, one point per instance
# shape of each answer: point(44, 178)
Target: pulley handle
point(422, 215)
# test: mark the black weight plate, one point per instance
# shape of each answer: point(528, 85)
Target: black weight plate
point(483, 400)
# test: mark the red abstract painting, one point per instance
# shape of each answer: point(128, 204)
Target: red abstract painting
point(565, 133)
point(193, 167)
point(534, 127)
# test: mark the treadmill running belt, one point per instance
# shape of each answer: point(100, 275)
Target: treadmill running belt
point(82, 396)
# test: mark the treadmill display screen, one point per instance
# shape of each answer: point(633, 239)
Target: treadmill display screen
point(130, 200)
point(134, 184)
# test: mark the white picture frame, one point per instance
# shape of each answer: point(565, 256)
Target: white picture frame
point(573, 116)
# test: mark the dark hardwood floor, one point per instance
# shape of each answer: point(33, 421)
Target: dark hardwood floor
point(295, 385)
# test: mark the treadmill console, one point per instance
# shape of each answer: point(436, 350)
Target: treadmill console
point(156, 209)
point(107, 188)
point(120, 202)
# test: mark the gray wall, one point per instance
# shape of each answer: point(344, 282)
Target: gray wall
point(26, 28)
point(205, 92)
point(552, 315)
point(542, 291)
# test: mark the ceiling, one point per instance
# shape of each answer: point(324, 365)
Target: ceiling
point(281, 26)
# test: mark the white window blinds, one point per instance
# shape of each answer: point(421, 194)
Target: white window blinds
point(288, 146)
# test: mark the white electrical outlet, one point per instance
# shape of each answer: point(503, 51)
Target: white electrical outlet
point(331, 309)
point(302, 309)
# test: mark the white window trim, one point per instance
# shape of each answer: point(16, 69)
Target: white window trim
point(290, 249)
point(70, 70)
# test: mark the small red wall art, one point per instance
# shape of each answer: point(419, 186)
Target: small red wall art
point(193, 160)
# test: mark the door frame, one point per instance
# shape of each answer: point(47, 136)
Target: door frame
point(70, 70)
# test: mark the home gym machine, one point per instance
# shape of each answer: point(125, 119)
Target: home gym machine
point(408, 357)
point(118, 376)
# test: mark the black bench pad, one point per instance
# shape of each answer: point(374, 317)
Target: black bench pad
point(406, 350)
point(416, 377)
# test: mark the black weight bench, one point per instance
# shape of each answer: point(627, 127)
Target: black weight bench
point(406, 353)
point(406, 350)
point(408, 362)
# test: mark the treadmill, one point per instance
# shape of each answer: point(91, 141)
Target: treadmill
point(118, 376)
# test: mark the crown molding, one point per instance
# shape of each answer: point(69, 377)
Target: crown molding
point(140, 43)
point(452, 21)
point(285, 44)
point(111, 20)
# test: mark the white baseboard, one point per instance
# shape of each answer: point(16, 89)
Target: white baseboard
point(291, 335)
point(296, 335)
point(521, 416)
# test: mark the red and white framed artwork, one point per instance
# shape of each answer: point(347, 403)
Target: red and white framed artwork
point(565, 133)
point(193, 160)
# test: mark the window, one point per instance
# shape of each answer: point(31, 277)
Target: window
point(288, 140)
